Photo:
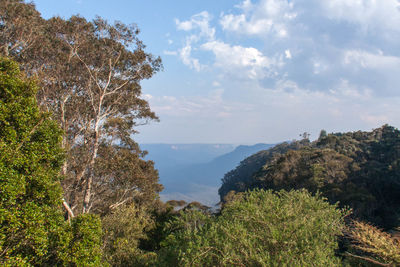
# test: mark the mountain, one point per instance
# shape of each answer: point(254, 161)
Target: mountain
point(240, 178)
point(358, 170)
point(193, 172)
point(167, 156)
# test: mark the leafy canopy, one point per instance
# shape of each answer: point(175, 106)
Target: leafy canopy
point(32, 226)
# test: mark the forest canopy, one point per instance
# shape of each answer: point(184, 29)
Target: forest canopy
point(359, 169)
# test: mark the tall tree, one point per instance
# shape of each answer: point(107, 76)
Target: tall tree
point(91, 74)
point(19, 27)
point(30, 157)
point(32, 228)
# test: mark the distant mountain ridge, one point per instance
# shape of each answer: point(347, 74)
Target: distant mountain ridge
point(193, 172)
point(239, 154)
point(168, 156)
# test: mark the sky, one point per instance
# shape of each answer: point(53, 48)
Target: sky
point(251, 71)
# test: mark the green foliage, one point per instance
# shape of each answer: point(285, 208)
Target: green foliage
point(259, 228)
point(85, 244)
point(176, 203)
point(359, 169)
point(322, 134)
point(32, 226)
point(124, 229)
point(30, 158)
point(322, 170)
point(240, 179)
point(90, 75)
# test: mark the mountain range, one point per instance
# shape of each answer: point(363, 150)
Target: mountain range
point(193, 172)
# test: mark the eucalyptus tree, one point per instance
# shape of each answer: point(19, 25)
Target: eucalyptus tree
point(19, 27)
point(90, 74)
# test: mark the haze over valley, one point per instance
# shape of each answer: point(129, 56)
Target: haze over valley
point(193, 172)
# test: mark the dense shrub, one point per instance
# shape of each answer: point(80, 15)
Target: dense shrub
point(124, 230)
point(258, 228)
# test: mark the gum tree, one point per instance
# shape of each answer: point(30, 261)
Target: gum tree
point(90, 74)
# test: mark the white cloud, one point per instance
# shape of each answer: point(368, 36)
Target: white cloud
point(211, 105)
point(369, 14)
point(184, 25)
point(374, 119)
point(288, 55)
point(216, 84)
point(287, 112)
point(240, 24)
point(290, 66)
point(369, 60)
point(345, 90)
point(147, 97)
point(311, 43)
point(239, 60)
point(201, 24)
point(263, 18)
point(185, 54)
point(246, 5)
point(319, 66)
point(200, 21)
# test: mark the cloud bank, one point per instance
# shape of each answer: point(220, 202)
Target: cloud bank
point(290, 66)
point(315, 45)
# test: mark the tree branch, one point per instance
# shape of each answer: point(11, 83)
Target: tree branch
point(368, 259)
point(68, 208)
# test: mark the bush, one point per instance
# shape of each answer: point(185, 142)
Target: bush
point(260, 228)
point(124, 229)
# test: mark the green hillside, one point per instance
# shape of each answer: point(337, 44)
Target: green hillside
point(357, 169)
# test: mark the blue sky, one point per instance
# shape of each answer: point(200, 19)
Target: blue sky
point(248, 71)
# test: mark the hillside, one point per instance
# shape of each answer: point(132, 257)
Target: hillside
point(359, 169)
